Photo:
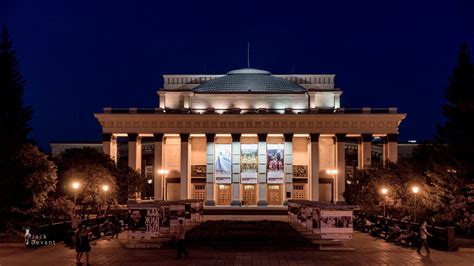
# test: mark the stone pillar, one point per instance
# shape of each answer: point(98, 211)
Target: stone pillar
point(392, 145)
point(135, 151)
point(340, 182)
point(288, 169)
point(210, 201)
point(109, 145)
point(384, 149)
point(262, 170)
point(236, 201)
point(314, 166)
point(157, 165)
point(184, 166)
point(365, 151)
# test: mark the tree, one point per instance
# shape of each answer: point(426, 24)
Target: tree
point(458, 110)
point(26, 191)
point(14, 116)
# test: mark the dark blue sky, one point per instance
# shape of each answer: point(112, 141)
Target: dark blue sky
point(80, 56)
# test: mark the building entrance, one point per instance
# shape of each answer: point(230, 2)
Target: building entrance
point(199, 191)
point(298, 192)
point(250, 195)
point(223, 195)
point(275, 195)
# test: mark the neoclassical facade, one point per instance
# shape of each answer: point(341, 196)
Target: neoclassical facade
point(250, 137)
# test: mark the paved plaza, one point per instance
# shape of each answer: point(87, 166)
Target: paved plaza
point(369, 251)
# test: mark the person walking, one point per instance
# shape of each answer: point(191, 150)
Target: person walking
point(180, 240)
point(423, 238)
point(82, 245)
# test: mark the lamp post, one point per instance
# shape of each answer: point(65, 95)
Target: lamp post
point(105, 188)
point(163, 173)
point(332, 173)
point(415, 190)
point(75, 187)
point(384, 193)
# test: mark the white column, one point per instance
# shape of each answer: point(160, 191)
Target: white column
point(365, 151)
point(210, 201)
point(184, 166)
point(392, 145)
point(109, 145)
point(288, 169)
point(135, 151)
point(236, 201)
point(262, 170)
point(157, 165)
point(314, 166)
point(340, 182)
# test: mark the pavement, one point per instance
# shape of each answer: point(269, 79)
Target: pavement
point(368, 251)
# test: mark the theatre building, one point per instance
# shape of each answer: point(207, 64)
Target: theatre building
point(249, 137)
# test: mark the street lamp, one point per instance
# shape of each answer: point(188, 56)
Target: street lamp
point(75, 187)
point(384, 192)
point(163, 173)
point(105, 188)
point(332, 173)
point(415, 190)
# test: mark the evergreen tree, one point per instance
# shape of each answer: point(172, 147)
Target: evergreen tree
point(14, 116)
point(457, 131)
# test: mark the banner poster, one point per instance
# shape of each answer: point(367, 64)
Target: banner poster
point(275, 164)
point(187, 211)
point(164, 214)
point(248, 163)
point(303, 215)
point(316, 221)
point(336, 222)
point(144, 222)
point(223, 163)
point(201, 212)
point(309, 216)
point(173, 218)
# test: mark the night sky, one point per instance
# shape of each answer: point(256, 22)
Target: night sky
point(80, 56)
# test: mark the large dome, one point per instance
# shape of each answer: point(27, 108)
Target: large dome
point(249, 80)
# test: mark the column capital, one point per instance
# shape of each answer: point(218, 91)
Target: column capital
point(367, 137)
point(392, 137)
point(106, 136)
point(236, 137)
point(184, 137)
point(132, 136)
point(210, 137)
point(158, 137)
point(288, 137)
point(340, 137)
point(262, 137)
point(314, 137)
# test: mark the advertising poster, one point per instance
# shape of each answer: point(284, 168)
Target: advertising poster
point(223, 163)
point(173, 218)
point(275, 164)
point(144, 222)
point(302, 211)
point(164, 214)
point(194, 211)
point(336, 222)
point(316, 221)
point(249, 163)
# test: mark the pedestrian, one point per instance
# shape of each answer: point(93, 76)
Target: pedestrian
point(180, 236)
point(423, 238)
point(82, 244)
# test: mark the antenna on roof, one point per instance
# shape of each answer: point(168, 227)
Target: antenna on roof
point(248, 54)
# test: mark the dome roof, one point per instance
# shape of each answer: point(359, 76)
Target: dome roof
point(249, 80)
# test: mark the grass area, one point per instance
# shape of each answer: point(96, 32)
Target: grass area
point(245, 234)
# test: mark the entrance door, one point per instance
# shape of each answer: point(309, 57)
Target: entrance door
point(223, 195)
point(250, 195)
point(274, 195)
point(298, 192)
point(199, 191)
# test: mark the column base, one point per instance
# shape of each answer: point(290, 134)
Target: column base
point(236, 203)
point(262, 203)
point(210, 203)
point(341, 202)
